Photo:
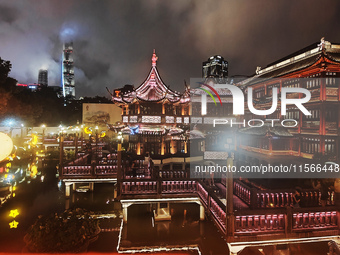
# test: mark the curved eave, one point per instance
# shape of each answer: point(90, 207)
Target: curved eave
point(160, 87)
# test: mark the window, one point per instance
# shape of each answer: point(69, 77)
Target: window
point(329, 146)
point(270, 89)
point(315, 115)
point(310, 145)
point(293, 114)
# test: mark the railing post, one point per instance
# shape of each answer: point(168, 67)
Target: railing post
point(159, 187)
point(230, 203)
point(119, 167)
point(61, 156)
point(93, 170)
point(253, 198)
point(288, 221)
point(76, 146)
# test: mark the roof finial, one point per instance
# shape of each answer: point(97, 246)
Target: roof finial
point(322, 43)
point(154, 58)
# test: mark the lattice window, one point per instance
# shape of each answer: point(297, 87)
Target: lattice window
point(133, 119)
point(151, 119)
point(169, 119)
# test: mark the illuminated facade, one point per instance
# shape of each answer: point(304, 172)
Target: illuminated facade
point(155, 118)
point(316, 68)
point(68, 72)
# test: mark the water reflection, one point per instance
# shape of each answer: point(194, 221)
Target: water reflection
point(184, 231)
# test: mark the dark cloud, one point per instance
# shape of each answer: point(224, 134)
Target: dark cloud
point(8, 14)
point(113, 40)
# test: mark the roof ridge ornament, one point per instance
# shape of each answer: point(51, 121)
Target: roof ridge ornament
point(322, 43)
point(154, 58)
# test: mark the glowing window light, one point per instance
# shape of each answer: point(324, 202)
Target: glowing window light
point(178, 120)
point(186, 120)
point(125, 119)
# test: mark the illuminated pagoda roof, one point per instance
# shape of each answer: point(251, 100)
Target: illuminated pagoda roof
point(308, 57)
point(153, 89)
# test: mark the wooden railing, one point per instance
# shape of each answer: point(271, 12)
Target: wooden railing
point(290, 222)
point(89, 171)
point(256, 198)
point(139, 187)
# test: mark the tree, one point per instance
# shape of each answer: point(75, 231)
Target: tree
point(70, 231)
point(5, 68)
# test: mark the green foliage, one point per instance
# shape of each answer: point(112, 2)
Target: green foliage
point(70, 155)
point(70, 231)
point(5, 68)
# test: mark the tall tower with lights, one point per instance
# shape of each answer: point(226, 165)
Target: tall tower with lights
point(68, 72)
point(43, 77)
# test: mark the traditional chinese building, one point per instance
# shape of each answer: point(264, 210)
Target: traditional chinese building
point(316, 68)
point(155, 118)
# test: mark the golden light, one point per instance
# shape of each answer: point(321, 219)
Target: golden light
point(34, 170)
point(14, 213)
point(87, 131)
point(34, 140)
point(102, 134)
point(6, 146)
point(13, 224)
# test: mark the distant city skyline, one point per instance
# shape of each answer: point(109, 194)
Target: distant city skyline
point(114, 39)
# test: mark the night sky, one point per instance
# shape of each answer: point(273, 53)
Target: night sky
point(114, 40)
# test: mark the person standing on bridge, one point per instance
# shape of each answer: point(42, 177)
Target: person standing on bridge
point(297, 198)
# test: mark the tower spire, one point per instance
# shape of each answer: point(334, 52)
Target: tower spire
point(154, 58)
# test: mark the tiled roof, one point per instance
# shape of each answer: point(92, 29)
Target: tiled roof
point(266, 130)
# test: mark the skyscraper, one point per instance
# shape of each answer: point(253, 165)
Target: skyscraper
point(43, 77)
point(68, 72)
point(215, 67)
